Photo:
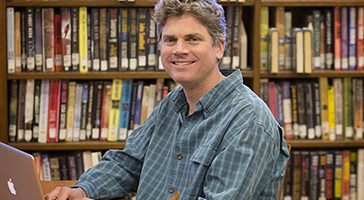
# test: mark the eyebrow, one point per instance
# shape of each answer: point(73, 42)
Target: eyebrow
point(185, 36)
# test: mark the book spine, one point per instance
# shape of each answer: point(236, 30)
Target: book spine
point(43, 112)
point(38, 43)
point(24, 41)
point(151, 100)
point(272, 98)
point(309, 110)
point(63, 111)
point(298, 51)
point(322, 175)
point(133, 107)
point(10, 39)
point(48, 39)
point(296, 191)
point(330, 175)
point(29, 108)
point(151, 41)
point(105, 110)
point(288, 40)
point(138, 105)
point(37, 95)
point(13, 109)
point(317, 109)
point(273, 50)
point(288, 181)
point(21, 110)
point(74, 38)
point(142, 39)
point(30, 39)
point(314, 175)
point(83, 47)
point(295, 125)
point(133, 40)
point(344, 38)
point(103, 40)
point(90, 106)
point(307, 50)
point(352, 38)
point(66, 33)
point(338, 174)
point(114, 116)
point(337, 38)
point(55, 170)
point(71, 110)
point(279, 103)
point(72, 167)
point(347, 98)
point(329, 41)
point(95, 36)
point(358, 105)
point(338, 102)
point(353, 175)
point(345, 175)
point(360, 38)
point(58, 42)
point(63, 167)
point(17, 42)
point(316, 39)
point(331, 112)
point(145, 101)
point(279, 16)
point(46, 167)
point(77, 118)
point(264, 27)
point(123, 39)
point(96, 110)
point(323, 81)
point(53, 110)
point(301, 111)
point(113, 39)
point(84, 101)
point(235, 51)
point(360, 173)
point(125, 109)
point(89, 54)
point(305, 179)
point(322, 42)
point(79, 165)
point(226, 60)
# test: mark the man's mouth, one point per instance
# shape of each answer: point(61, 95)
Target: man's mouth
point(182, 63)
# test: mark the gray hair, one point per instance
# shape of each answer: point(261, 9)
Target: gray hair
point(208, 12)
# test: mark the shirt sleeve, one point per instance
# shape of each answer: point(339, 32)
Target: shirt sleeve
point(118, 169)
point(250, 167)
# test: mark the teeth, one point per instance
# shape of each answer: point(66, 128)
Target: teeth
point(182, 63)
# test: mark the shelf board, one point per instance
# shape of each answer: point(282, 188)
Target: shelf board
point(315, 74)
point(312, 3)
point(326, 144)
point(69, 146)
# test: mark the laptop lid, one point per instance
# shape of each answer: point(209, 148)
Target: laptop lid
point(19, 178)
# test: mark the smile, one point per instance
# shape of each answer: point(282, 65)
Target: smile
point(182, 63)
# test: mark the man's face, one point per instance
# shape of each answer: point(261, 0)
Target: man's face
point(186, 51)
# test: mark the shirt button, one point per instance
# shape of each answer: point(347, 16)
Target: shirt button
point(207, 111)
point(171, 190)
point(179, 156)
point(189, 123)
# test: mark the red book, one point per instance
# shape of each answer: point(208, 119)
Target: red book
point(57, 42)
point(337, 38)
point(360, 39)
point(48, 40)
point(272, 98)
point(105, 110)
point(53, 110)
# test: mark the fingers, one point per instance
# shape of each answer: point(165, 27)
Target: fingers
point(64, 193)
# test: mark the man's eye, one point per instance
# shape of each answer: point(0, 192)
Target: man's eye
point(169, 40)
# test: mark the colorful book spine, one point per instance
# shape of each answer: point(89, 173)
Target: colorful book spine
point(272, 98)
point(63, 111)
point(24, 41)
point(330, 167)
point(84, 100)
point(53, 110)
point(95, 42)
point(123, 39)
point(331, 112)
point(48, 40)
point(71, 110)
point(352, 37)
point(297, 175)
point(142, 39)
point(360, 38)
point(77, 118)
point(125, 109)
point(83, 46)
point(105, 110)
point(345, 174)
point(17, 38)
point(338, 102)
point(90, 106)
point(323, 81)
point(58, 42)
point(358, 105)
point(133, 107)
point(337, 38)
point(305, 175)
point(96, 110)
point(279, 103)
point(113, 39)
point(295, 125)
point(347, 103)
point(288, 40)
point(322, 175)
point(117, 85)
point(66, 33)
point(29, 109)
point(133, 40)
point(103, 40)
point(138, 105)
point(30, 39)
point(353, 174)
point(75, 39)
point(338, 174)
point(43, 112)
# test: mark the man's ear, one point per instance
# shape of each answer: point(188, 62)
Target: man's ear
point(220, 48)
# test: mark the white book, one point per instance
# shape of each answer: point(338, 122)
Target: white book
point(337, 82)
point(11, 40)
point(29, 107)
point(46, 168)
point(360, 174)
point(95, 158)
point(77, 122)
point(86, 156)
point(151, 103)
point(43, 112)
point(243, 47)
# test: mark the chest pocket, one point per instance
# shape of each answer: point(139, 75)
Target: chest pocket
point(203, 156)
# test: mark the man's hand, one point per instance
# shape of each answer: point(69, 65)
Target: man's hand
point(64, 193)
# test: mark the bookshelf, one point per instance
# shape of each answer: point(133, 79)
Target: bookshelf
point(252, 77)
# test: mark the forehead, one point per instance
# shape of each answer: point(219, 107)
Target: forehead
point(184, 24)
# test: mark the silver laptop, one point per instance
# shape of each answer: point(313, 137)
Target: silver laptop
point(19, 178)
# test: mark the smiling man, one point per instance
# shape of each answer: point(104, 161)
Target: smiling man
point(212, 138)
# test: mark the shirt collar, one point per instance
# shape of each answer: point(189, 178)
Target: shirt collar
point(215, 96)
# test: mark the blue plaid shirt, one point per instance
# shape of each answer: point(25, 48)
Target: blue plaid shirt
point(231, 147)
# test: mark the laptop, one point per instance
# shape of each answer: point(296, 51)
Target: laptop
point(19, 178)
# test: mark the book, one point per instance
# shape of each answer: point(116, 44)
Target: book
point(82, 39)
point(305, 175)
point(84, 111)
point(264, 30)
point(66, 32)
point(357, 108)
point(337, 38)
point(63, 167)
point(71, 110)
point(301, 110)
point(345, 174)
point(125, 109)
point(151, 41)
point(89, 109)
point(138, 104)
point(322, 175)
point(133, 40)
point(295, 125)
point(297, 174)
point(96, 110)
point(142, 39)
point(58, 43)
point(338, 102)
point(323, 82)
point(54, 167)
point(235, 51)
point(48, 39)
point(78, 164)
point(53, 110)
point(307, 49)
point(322, 42)
point(43, 112)
point(309, 105)
point(23, 35)
point(105, 110)
point(13, 110)
point(123, 39)
point(316, 37)
point(77, 115)
point(352, 41)
point(279, 103)
point(30, 39)
point(272, 98)
point(329, 38)
point(298, 51)
point(273, 50)
point(226, 59)
point(17, 39)
point(347, 108)
point(28, 110)
point(264, 90)
point(72, 167)
point(103, 40)
point(112, 48)
point(114, 115)
point(338, 174)
point(279, 18)
point(38, 39)
point(145, 102)
point(132, 106)
point(89, 54)
point(360, 38)
point(317, 108)
point(344, 38)
point(360, 173)
point(95, 36)
point(95, 158)
point(353, 174)
point(10, 39)
point(74, 39)
point(86, 156)
point(21, 110)
point(329, 171)
point(314, 175)
point(63, 110)
point(243, 47)
point(37, 95)
point(331, 112)
point(288, 180)
point(46, 167)
point(288, 40)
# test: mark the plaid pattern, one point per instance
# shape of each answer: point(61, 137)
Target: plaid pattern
point(230, 148)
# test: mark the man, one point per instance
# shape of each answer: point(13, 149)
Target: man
point(212, 138)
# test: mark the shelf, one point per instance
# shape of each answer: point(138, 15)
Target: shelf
point(69, 146)
point(315, 74)
point(312, 3)
point(326, 144)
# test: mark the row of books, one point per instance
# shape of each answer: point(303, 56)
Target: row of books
point(67, 110)
point(96, 39)
point(330, 38)
point(324, 108)
point(325, 175)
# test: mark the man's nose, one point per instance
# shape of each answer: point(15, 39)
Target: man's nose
point(180, 47)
